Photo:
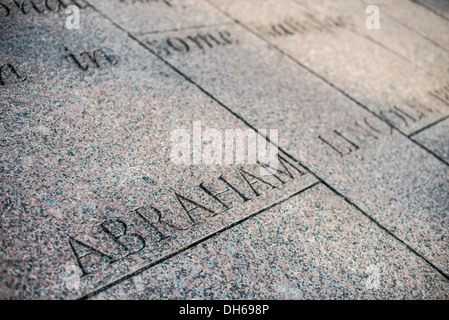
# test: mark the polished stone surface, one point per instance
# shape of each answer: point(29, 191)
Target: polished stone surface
point(318, 250)
point(417, 18)
point(440, 7)
point(82, 149)
point(93, 205)
point(347, 146)
point(436, 138)
point(323, 42)
point(393, 34)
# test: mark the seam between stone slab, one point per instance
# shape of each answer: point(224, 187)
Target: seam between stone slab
point(383, 46)
point(379, 44)
point(283, 151)
point(417, 32)
point(188, 28)
point(364, 107)
point(349, 201)
point(366, 37)
point(193, 244)
point(436, 44)
point(328, 82)
point(430, 9)
point(142, 44)
point(430, 125)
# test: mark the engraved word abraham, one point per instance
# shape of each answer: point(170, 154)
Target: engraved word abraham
point(150, 226)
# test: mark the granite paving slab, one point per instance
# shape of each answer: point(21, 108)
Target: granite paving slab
point(436, 138)
point(403, 94)
point(410, 14)
point(150, 17)
point(317, 250)
point(351, 149)
point(440, 7)
point(89, 190)
point(95, 205)
point(391, 34)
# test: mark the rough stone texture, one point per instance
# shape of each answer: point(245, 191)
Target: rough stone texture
point(439, 6)
point(85, 158)
point(318, 250)
point(436, 139)
point(411, 202)
point(149, 17)
point(414, 16)
point(393, 34)
point(81, 147)
point(373, 75)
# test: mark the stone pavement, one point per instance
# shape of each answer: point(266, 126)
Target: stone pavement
point(93, 205)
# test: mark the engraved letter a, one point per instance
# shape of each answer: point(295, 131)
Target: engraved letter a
point(373, 20)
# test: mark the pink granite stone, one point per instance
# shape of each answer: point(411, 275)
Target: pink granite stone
point(92, 205)
point(82, 149)
point(436, 138)
point(410, 14)
point(158, 15)
point(350, 148)
point(318, 250)
point(392, 34)
point(377, 78)
point(439, 7)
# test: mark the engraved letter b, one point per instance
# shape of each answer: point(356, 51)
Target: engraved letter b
point(117, 230)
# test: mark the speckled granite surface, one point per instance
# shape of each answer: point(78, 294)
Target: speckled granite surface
point(395, 34)
point(420, 25)
point(92, 205)
point(440, 7)
point(373, 74)
point(313, 254)
point(436, 138)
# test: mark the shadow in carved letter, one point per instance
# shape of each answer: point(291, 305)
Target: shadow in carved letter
point(7, 69)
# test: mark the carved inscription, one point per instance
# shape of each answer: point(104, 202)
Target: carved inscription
point(409, 112)
point(37, 6)
point(442, 93)
point(9, 74)
point(309, 23)
point(185, 44)
point(95, 58)
point(151, 224)
point(354, 136)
